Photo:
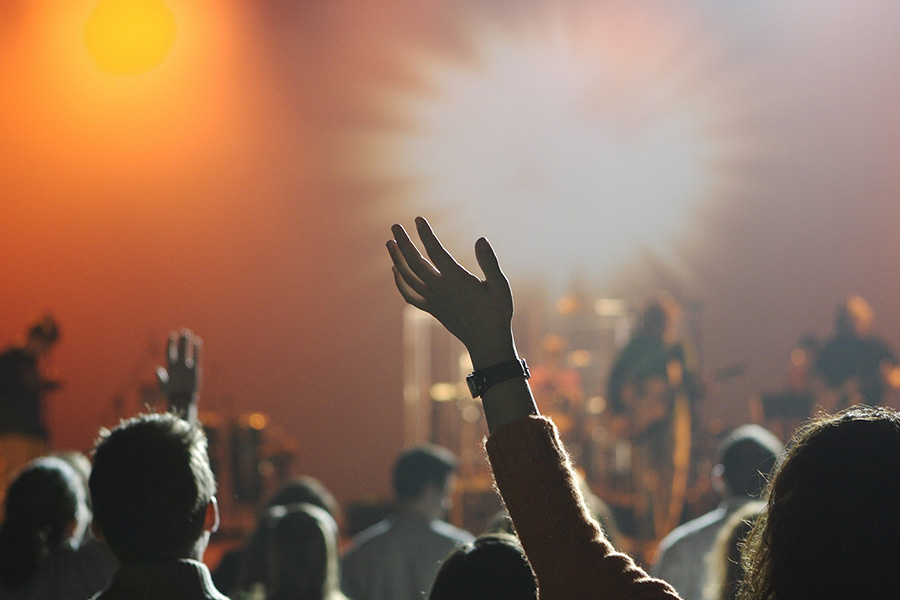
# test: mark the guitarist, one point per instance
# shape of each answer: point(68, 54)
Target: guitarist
point(653, 388)
point(855, 366)
point(25, 381)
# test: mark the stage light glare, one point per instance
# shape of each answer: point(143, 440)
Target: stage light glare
point(129, 37)
point(587, 141)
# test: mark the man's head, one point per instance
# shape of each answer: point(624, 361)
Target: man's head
point(854, 317)
point(42, 335)
point(661, 317)
point(152, 489)
point(744, 459)
point(422, 472)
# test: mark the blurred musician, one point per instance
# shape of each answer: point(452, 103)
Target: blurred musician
point(855, 366)
point(25, 381)
point(653, 386)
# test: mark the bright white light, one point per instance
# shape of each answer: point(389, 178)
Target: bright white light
point(570, 154)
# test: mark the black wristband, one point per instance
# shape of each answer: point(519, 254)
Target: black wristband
point(479, 381)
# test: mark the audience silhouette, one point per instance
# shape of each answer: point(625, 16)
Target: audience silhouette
point(398, 558)
point(493, 567)
point(299, 551)
point(830, 526)
point(45, 518)
point(153, 492)
point(827, 525)
point(743, 459)
point(245, 567)
point(154, 505)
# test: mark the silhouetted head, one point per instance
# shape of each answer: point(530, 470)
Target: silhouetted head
point(42, 335)
point(82, 466)
point(45, 507)
point(744, 459)
point(305, 489)
point(254, 568)
point(854, 317)
point(421, 468)
point(493, 567)
point(832, 520)
point(300, 551)
point(660, 317)
point(152, 488)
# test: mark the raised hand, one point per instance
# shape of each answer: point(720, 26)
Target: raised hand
point(180, 380)
point(478, 312)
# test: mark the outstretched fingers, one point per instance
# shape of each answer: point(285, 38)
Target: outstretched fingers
point(173, 350)
point(409, 294)
point(442, 259)
point(193, 359)
point(415, 262)
point(403, 273)
point(490, 266)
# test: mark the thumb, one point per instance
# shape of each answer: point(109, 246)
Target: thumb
point(494, 278)
point(488, 262)
point(162, 376)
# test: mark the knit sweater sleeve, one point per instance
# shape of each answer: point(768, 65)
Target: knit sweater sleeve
point(570, 557)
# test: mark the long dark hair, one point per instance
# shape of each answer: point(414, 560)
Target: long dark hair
point(41, 504)
point(831, 524)
point(298, 545)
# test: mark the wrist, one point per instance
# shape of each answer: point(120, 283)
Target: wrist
point(483, 379)
point(506, 402)
point(494, 352)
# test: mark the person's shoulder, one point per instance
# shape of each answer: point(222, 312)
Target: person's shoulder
point(369, 537)
point(12, 357)
point(452, 532)
point(684, 533)
point(878, 346)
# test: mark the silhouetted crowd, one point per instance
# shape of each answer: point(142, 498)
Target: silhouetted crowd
point(817, 518)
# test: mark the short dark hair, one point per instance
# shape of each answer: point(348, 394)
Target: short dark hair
point(747, 456)
point(493, 567)
point(305, 489)
point(419, 466)
point(150, 486)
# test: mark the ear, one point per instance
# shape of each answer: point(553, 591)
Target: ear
point(71, 528)
point(95, 531)
point(211, 522)
point(717, 476)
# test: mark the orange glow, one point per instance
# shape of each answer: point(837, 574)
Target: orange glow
point(126, 37)
point(80, 123)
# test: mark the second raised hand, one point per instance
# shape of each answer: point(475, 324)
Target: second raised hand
point(478, 312)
